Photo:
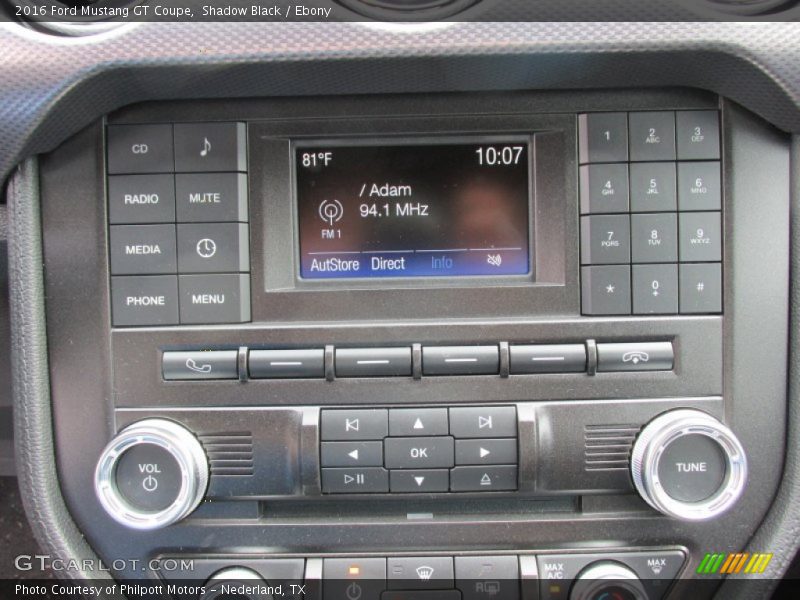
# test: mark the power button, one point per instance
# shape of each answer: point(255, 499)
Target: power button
point(148, 477)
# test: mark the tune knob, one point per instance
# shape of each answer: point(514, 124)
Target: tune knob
point(236, 583)
point(607, 580)
point(152, 474)
point(688, 465)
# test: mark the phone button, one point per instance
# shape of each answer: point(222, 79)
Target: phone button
point(214, 364)
point(644, 356)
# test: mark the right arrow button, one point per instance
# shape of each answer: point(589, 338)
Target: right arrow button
point(486, 452)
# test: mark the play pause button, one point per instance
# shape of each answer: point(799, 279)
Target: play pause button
point(419, 481)
point(370, 480)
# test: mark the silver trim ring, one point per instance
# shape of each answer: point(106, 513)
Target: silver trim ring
point(235, 577)
point(663, 431)
point(184, 448)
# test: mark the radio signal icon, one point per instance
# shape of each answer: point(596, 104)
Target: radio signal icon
point(331, 211)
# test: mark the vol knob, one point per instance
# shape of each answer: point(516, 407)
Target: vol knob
point(688, 465)
point(152, 474)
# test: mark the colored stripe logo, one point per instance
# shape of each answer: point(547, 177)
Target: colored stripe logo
point(734, 563)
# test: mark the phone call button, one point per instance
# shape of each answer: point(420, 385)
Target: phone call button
point(214, 364)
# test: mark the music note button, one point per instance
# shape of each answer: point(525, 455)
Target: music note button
point(210, 147)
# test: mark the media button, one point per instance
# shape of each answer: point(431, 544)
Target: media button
point(142, 249)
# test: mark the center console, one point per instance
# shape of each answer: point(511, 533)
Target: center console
point(404, 347)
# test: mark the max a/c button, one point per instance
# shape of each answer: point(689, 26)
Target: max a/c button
point(214, 364)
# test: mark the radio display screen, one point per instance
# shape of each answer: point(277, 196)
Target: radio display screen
point(449, 207)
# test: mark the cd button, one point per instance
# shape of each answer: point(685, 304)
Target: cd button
point(548, 358)
point(419, 452)
point(460, 360)
point(483, 422)
point(417, 421)
point(140, 149)
point(345, 425)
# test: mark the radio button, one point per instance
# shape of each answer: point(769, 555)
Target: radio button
point(653, 187)
point(352, 454)
point(486, 452)
point(373, 362)
point(420, 573)
point(212, 299)
point(347, 425)
point(142, 249)
point(700, 237)
point(605, 240)
point(213, 248)
point(419, 481)
point(643, 356)
point(369, 480)
point(140, 149)
point(655, 289)
point(419, 452)
point(287, 364)
point(211, 197)
point(215, 364)
point(141, 199)
point(205, 147)
point(604, 188)
point(142, 301)
point(460, 360)
point(483, 421)
point(418, 421)
point(652, 135)
point(606, 290)
point(654, 238)
point(697, 132)
point(699, 186)
point(548, 358)
point(603, 137)
point(483, 479)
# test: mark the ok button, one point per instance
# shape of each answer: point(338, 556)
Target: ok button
point(148, 477)
point(419, 452)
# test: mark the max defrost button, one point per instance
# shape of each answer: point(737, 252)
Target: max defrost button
point(148, 477)
point(287, 364)
point(214, 364)
point(141, 301)
point(214, 298)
